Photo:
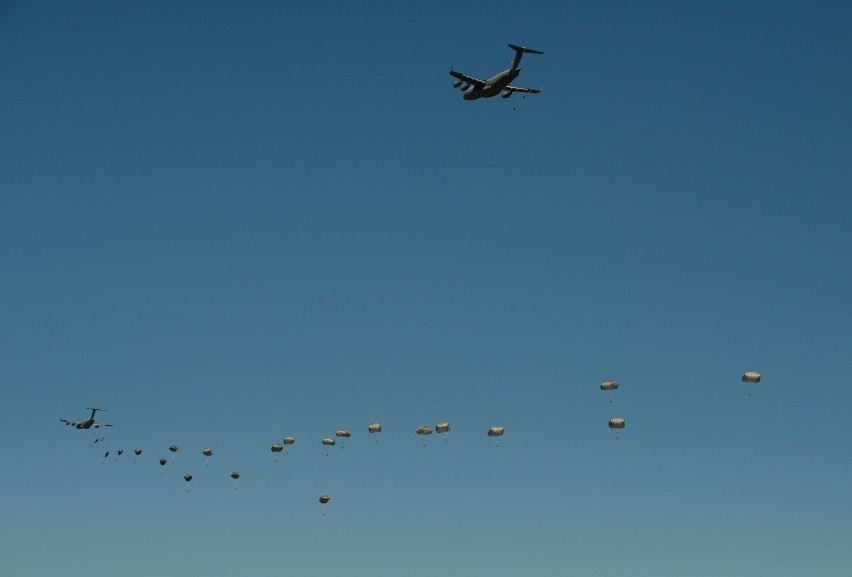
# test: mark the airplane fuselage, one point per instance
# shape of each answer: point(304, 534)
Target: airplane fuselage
point(493, 86)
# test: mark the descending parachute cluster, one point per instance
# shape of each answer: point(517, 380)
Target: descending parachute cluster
point(373, 428)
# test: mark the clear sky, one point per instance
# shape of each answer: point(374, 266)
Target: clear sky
point(230, 222)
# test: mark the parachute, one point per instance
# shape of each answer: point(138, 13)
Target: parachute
point(187, 478)
point(342, 434)
point(616, 424)
point(609, 387)
point(235, 475)
point(118, 454)
point(287, 442)
point(374, 428)
point(443, 429)
point(276, 448)
point(138, 452)
point(207, 452)
point(423, 430)
point(495, 432)
point(328, 442)
point(751, 377)
point(163, 462)
point(173, 449)
point(324, 499)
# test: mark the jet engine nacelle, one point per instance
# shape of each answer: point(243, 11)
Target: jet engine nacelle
point(506, 93)
point(457, 83)
point(464, 87)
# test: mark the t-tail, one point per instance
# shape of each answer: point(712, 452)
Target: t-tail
point(519, 53)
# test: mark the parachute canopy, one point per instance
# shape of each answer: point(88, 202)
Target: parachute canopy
point(187, 477)
point(423, 430)
point(343, 433)
point(616, 423)
point(138, 451)
point(289, 440)
point(207, 452)
point(328, 441)
point(120, 451)
point(374, 428)
point(235, 475)
point(442, 427)
point(324, 499)
point(495, 431)
point(609, 385)
point(163, 460)
point(173, 448)
point(751, 377)
point(276, 448)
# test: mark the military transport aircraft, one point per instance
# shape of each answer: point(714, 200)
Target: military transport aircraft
point(88, 423)
point(474, 88)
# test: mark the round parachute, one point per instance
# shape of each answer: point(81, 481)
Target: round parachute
point(609, 385)
point(173, 448)
point(120, 451)
point(751, 377)
point(163, 461)
point(138, 451)
point(442, 427)
point(343, 433)
point(187, 477)
point(289, 440)
point(324, 499)
point(328, 441)
point(276, 448)
point(495, 432)
point(616, 424)
point(423, 430)
point(207, 452)
point(374, 428)
point(235, 475)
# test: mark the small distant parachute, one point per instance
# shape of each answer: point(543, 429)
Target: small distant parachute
point(328, 442)
point(443, 429)
point(374, 428)
point(324, 499)
point(118, 454)
point(120, 451)
point(173, 449)
point(138, 452)
point(608, 387)
point(276, 448)
point(235, 475)
point(287, 442)
point(495, 432)
point(424, 431)
point(343, 433)
point(207, 453)
point(163, 461)
point(751, 377)
point(616, 424)
point(187, 478)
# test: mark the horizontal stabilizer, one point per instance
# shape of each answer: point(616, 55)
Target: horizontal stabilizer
point(524, 49)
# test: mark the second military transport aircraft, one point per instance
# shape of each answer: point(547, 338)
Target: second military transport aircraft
point(474, 88)
point(88, 423)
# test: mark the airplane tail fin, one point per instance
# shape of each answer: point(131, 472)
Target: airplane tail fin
point(519, 53)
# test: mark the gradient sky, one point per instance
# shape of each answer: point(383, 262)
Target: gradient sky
point(229, 223)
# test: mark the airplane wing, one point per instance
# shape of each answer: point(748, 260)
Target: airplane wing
point(524, 90)
point(465, 77)
point(99, 425)
point(67, 422)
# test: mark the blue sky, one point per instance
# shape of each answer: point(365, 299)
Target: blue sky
point(227, 224)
